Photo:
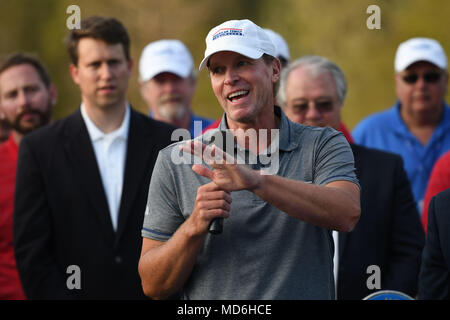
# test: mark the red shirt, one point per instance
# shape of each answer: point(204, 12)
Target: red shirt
point(213, 125)
point(439, 181)
point(10, 285)
point(344, 130)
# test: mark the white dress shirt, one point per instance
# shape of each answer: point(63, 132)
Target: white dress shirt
point(110, 151)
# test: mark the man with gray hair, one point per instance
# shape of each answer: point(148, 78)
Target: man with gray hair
point(276, 240)
point(168, 81)
point(388, 234)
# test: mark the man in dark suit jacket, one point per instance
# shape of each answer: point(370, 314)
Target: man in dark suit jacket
point(76, 224)
point(388, 234)
point(434, 278)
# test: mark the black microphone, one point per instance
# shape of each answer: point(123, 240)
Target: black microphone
point(216, 226)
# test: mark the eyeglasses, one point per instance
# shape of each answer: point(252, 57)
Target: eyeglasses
point(322, 106)
point(429, 77)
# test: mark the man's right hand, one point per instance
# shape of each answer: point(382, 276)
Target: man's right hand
point(211, 202)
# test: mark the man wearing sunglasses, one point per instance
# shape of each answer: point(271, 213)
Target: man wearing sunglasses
point(418, 126)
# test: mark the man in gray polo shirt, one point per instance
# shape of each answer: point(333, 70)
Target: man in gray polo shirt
point(276, 240)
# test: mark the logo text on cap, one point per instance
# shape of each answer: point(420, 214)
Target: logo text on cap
point(227, 32)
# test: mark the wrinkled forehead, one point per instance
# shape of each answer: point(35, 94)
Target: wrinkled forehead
point(313, 80)
point(18, 76)
point(223, 57)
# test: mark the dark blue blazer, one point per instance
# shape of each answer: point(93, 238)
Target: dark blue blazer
point(61, 215)
point(388, 234)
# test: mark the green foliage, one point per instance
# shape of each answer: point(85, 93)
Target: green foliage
point(334, 29)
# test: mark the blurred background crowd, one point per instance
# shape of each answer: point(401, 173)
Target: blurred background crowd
point(333, 29)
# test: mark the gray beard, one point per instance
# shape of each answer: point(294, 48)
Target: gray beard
point(172, 112)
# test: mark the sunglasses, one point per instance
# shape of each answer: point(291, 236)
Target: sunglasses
point(429, 77)
point(322, 106)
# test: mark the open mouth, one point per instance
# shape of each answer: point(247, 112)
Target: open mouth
point(237, 95)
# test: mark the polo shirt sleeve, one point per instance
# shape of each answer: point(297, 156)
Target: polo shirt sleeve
point(334, 159)
point(162, 214)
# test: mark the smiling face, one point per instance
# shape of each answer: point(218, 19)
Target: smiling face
point(244, 87)
point(312, 99)
point(102, 73)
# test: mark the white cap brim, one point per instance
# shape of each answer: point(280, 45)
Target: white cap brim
point(406, 62)
point(419, 49)
point(166, 66)
point(248, 52)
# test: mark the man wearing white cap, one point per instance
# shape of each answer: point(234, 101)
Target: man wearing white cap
point(417, 127)
point(168, 81)
point(276, 240)
point(281, 52)
point(281, 47)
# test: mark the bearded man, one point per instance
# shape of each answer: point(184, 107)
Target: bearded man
point(27, 97)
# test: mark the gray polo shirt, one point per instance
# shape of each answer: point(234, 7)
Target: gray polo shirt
point(262, 253)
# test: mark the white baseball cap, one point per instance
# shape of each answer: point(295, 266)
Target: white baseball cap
point(281, 46)
point(419, 49)
point(165, 56)
point(240, 36)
